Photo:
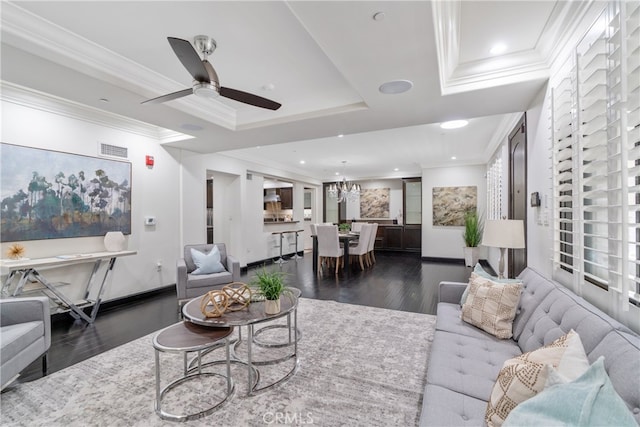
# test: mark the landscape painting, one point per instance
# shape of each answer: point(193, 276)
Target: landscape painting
point(374, 203)
point(50, 195)
point(451, 203)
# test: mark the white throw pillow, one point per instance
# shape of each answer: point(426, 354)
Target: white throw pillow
point(207, 263)
point(526, 375)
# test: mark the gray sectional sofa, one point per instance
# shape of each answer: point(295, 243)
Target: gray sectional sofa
point(25, 335)
point(465, 361)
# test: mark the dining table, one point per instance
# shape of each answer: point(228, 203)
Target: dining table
point(345, 239)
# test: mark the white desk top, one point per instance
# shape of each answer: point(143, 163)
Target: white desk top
point(8, 265)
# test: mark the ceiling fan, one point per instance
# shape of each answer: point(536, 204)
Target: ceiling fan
point(206, 82)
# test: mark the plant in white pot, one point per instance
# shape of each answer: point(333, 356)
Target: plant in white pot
point(472, 236)
point(271, 285)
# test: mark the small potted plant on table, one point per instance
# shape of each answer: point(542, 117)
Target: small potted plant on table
point(472, 237)
point(271, 285)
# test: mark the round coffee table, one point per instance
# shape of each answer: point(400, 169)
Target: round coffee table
point(186, 337)
point(249, 317)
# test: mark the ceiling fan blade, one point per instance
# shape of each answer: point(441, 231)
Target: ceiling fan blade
point(169, 96)
point(189, 58)
point(248, 98)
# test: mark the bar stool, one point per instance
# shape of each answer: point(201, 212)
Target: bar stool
point(296, 256)
point(186, 337)
point(280, 260)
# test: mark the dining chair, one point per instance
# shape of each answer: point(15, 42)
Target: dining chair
point(329, 249)
point(314, 232)
point(357, 226)
point(371, 258)
point(361, 248)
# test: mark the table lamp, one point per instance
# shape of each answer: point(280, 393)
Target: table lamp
point(503, 234)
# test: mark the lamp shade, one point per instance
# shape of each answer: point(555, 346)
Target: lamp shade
point(504, 233)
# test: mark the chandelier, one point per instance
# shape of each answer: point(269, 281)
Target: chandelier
point(344, 190)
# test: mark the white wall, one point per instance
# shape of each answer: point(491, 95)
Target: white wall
point(153, 193)
point(446, 242)
point(238, 218)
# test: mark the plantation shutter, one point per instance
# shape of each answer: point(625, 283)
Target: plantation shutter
point(596, 157)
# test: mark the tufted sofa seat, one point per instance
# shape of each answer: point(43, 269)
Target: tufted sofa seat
point(465, 361)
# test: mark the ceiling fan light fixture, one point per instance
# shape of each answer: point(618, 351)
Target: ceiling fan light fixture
point(394, 87)
point(205, 90)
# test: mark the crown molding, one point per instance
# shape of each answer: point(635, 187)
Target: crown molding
point(455, 77)
point(22, 29)
point(31, 98)
point(501, 134)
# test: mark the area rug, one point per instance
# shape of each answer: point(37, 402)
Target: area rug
point(359, 366)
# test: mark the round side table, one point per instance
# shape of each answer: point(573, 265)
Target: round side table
point(186, 337)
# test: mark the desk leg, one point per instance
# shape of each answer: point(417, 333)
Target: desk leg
point(315, 253)
point(75, 310)
point(107, 273)
point(345, 263)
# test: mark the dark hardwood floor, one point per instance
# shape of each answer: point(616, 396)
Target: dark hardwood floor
point(398, 281)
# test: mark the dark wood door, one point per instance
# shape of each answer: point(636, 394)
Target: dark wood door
point(518, 190)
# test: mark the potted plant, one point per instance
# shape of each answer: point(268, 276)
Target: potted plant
point(344, 227)
point(271, 285)
point(473, 226)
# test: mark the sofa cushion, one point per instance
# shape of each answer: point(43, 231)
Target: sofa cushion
point(444, 407)
point(534, 289)
point(207, 263)
point(524, 376)
point(468, 365)
point(450, 320)
point(206, 280)
point(15, 338)
point(590, 400)
point(492, 306)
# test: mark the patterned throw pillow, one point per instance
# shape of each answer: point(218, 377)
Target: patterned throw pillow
point(525, 376)
point(479, 271)
point(492, 306)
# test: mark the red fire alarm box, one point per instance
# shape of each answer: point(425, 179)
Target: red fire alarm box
point(149, 160)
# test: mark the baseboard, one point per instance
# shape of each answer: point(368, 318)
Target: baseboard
point(270, 260)
point(443, 260)
point(120, 301)
point(483, 262)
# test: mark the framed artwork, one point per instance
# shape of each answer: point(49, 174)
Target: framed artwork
point(374, 203)
point(48, 194)
point(451, 203)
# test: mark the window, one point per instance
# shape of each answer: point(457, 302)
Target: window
point(596, 157)
point(494, 190)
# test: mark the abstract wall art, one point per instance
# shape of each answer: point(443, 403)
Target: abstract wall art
point(374, 203)
point(48, 194)
point(451, 203)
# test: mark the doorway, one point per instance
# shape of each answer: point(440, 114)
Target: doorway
point(518, 191)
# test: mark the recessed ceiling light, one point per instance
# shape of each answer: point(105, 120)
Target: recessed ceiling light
point(396, 169)
point(378, 16)
point(395, 86)
point(498, 48)
point(454, 124)
point(302, 162)
point(453, 157)
point(337, 173)
point(269, 86)
point(341, 135)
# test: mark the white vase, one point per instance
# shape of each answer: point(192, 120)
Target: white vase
point(471, 256)
point(114, 241)
point(272, 306)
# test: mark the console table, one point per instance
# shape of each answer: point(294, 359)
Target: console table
point(20, 271)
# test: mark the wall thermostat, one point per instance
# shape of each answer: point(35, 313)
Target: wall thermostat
point(535, 199)
point(149, 220)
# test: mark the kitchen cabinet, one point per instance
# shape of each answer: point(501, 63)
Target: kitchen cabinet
point(286, 197)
